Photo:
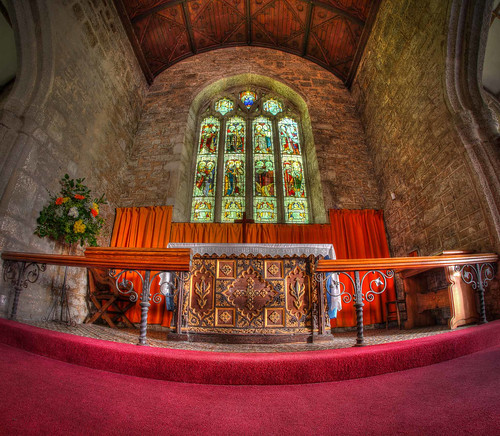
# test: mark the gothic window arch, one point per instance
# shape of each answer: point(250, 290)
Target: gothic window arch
point(249, 158)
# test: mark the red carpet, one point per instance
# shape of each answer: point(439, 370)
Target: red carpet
point(249, 368)
point(42, 396)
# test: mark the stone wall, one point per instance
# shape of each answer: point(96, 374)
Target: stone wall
point(74, 109)
point(162, 153)
point(418, 156)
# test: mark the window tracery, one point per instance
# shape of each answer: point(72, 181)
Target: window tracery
point(256, 166)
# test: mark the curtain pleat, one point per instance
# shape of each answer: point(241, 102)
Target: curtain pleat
point(355, 234)
point(144, 227)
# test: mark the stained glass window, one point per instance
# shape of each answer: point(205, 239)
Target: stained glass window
point(265, 210)
point(262, 135)
point(209, 136)
point(234, 173)
point(224, 106)
point(235, 135)
point(294, 186)
point(273, 106)
point(296, 211)
point(203, 205)
point(248, 98)
point(289, 137)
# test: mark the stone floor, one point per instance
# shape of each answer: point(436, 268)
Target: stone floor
point(156, 337)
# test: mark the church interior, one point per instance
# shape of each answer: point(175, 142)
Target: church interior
point(306, 145)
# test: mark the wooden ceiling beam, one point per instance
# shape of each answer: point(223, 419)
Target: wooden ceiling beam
point(308, 28)
point(338, 11)
point(189, 28)
point(156, 9)
point(249, 22)
point(318, 3)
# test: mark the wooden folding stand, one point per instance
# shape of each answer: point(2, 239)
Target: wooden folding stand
point(111, 305)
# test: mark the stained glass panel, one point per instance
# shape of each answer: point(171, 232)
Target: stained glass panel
point(293, 177)
point(232, 209)
point(262, 135)
point(209, 136)
point(204, 179)
point(203, 210)
point(265, 210)
point(264, 176)
point(234, 176)
point(248, 98)
point(273, 106)
point(224, 106)
point(289, 136)
point(296, 211)
point(235, 135)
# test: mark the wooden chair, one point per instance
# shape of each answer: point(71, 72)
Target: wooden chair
point(111, 305)
point(393, 312)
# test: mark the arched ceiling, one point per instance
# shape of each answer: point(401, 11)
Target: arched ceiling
point(331, 33)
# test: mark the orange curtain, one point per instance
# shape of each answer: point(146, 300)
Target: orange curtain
point(355, 234)
point(360, 234)
point(144, 227)
point(206, 233)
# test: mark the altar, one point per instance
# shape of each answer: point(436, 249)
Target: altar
point(252, 293)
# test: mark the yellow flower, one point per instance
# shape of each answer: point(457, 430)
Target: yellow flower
point(65, 199)
point(95, 206)
point(79, 227)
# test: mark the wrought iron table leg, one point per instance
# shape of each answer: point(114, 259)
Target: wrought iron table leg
point(358, 304)
point(17, 289)
point(144, 308)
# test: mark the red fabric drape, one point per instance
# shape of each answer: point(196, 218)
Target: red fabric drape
point(360, 234)
point(353, 233)
point(144, 227)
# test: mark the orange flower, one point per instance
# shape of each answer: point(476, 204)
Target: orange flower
point(59, 200)
point(94, 212)
point(79, 197)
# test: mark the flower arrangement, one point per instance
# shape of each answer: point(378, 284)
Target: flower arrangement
point(72, 216)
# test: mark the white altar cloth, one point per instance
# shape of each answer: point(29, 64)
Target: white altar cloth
point(263, 249)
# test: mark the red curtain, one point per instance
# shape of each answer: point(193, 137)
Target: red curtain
point(360, 234)
point(355, 234)
point(144, 227)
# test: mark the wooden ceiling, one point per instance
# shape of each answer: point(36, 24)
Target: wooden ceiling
point(331, 33)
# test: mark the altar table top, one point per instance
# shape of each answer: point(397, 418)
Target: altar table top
point(255, 249)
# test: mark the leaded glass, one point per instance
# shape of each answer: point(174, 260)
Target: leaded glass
point(293, 177)
point(264, 176)
point(203, 210)
point(289, 136)
point(262, 135)
point(296, 211)
point(209, 136)
point(224, 106)
point(232, 209)
point(248, 98)
point(265, 210)
point(204, 179)
point(273, 106)
point(235, 135)
point(234, 175)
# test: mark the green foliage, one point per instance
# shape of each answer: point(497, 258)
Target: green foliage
point(72, 216)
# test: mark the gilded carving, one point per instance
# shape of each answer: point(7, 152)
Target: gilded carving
point(224, 317)
point(249, 293)
point(202, 292)
point(297, 293)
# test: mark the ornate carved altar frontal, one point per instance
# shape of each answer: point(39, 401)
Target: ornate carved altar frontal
point(252, 297)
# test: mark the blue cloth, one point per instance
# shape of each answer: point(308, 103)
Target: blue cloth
point(331, 301)
point(332, 309)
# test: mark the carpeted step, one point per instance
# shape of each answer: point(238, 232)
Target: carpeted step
point(249, 368)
